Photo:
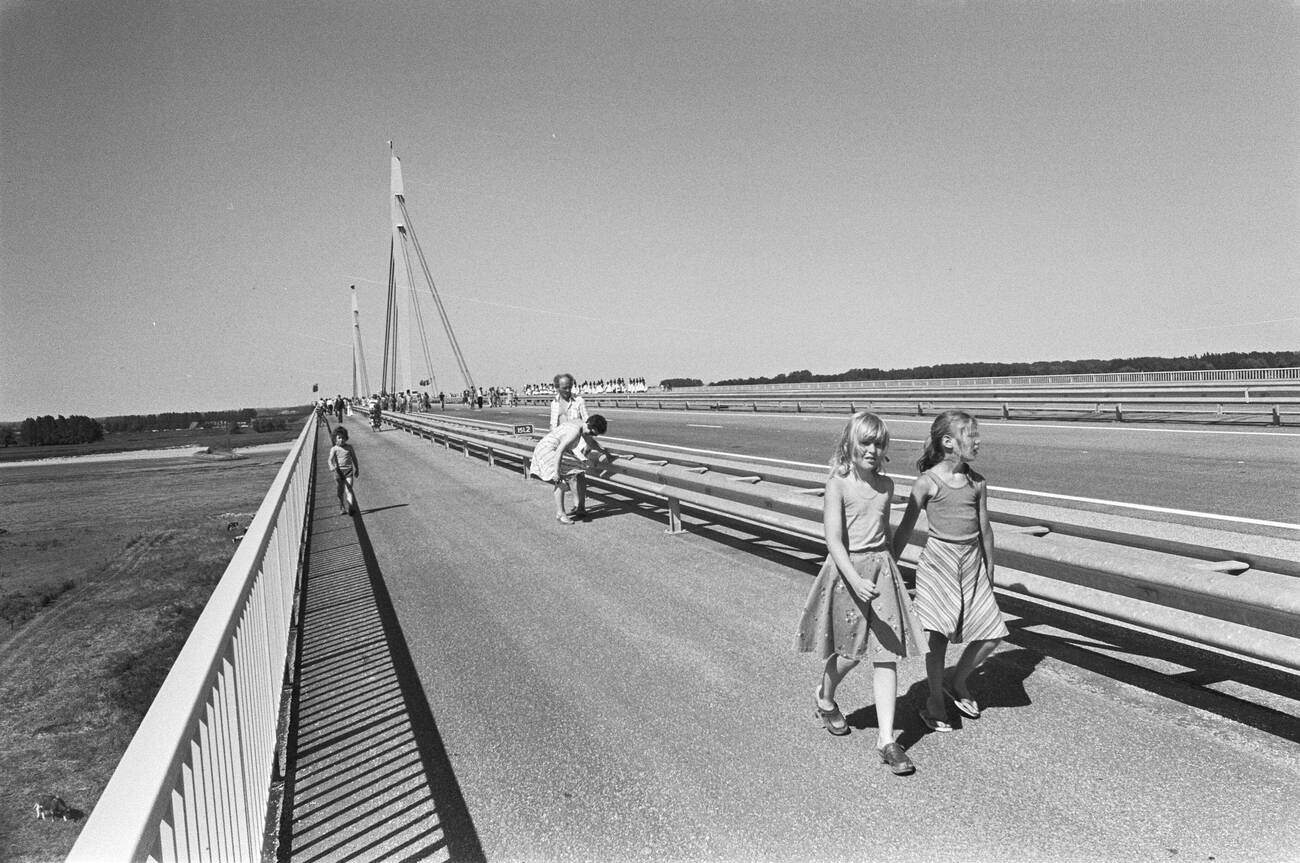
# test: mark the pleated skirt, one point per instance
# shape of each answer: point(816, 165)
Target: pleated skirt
point(837, 621)
point(954, 595)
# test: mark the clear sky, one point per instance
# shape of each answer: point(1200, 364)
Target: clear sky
point(662, 189)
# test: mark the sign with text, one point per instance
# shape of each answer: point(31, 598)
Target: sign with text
point(524, 429)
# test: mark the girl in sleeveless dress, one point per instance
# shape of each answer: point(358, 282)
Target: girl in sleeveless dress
point(954, 577)
point(858, 607)
point(549, 451)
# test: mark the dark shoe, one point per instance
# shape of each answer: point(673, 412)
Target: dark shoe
point(893, 755)
point(833, 720)
point(578, 513)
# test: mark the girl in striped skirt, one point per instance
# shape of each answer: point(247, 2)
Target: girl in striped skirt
point(954, 578)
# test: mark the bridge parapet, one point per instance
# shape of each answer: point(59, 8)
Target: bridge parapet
point(195, 780)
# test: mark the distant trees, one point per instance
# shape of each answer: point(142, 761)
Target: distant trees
point(177, 420)
point(1208, 362)
point(669, 383)
point(52, 431)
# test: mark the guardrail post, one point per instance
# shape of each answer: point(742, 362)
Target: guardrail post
point(688, 405)
point(1006, 412)
point(492, 457)
point(528, 464)
point(754, 405)
point(674, 516)
point(797, 409)
point(1277, 416)
point(919, 411)
point(1119, 412)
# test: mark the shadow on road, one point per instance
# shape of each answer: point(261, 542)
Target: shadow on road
point(367, 775)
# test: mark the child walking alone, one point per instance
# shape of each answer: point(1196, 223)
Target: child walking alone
point(343, 461)
point(954, 577)
point(858, 607)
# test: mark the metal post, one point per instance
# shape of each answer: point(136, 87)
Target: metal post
point(1277, 416)
point(674, 517)
point(1006, 412)
point(1119, 412)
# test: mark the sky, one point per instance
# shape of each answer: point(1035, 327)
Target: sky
point(654, 189)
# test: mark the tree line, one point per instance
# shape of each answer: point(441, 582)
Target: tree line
point(1202, 362)
point(55, 431)
point(177, 420)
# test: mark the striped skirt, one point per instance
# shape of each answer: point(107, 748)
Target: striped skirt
point(954, 595)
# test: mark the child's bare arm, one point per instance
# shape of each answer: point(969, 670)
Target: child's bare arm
point(986, 525)
point(915, 503)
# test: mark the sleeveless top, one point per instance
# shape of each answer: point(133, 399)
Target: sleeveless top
point(953, 513)
point(866, 516)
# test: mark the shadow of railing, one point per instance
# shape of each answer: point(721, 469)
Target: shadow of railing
point(367, 775)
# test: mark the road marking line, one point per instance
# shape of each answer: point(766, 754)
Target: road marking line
point(699, 426)
point(1237, 519)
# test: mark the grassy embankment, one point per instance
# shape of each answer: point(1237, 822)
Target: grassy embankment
point(167, 438)
point(104, 568)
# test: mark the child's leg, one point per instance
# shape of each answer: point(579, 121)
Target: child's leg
point(342, 484)
point(836, 667)
point(580, 492)
point(971, 658)
point(884, 684)
point(934, 662)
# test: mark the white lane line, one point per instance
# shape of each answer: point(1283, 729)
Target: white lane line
point(700, 426)
point(889, 420)
point(1237, 519)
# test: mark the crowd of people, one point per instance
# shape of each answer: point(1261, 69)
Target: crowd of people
point(858, 608)
point(588, 388)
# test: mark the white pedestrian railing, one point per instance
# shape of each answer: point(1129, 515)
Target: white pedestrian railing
point(195, 780)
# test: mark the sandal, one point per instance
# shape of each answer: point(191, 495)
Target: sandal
point(934, 723)
point(893, 755)
point(833, 720)
point(969, 707)
point(564, 519)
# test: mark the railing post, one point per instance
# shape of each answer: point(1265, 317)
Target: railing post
point(1277, 416)
point(674, 517)
point(1006, 412)
point(1119, 412)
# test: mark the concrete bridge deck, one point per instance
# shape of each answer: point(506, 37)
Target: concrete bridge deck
point(478, 681)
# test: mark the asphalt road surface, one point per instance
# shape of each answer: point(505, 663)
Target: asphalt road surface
point(607, 692)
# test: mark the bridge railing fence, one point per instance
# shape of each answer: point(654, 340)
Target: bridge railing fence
point(195, 780)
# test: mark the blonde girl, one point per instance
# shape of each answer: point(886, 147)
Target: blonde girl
point(954, 577)
point(858, 607)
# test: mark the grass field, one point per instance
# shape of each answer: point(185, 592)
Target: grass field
point(103, 570)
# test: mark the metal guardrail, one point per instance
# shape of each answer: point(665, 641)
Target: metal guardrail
point(1198, 376)
point(195, 780)
point(1270, 406)
point(1201, 594)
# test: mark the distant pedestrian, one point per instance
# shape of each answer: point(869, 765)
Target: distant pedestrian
point(343, 461)
point(338, 407)
point(858, 606)
point(954, 577)
point(549, 452)
point(566, 406)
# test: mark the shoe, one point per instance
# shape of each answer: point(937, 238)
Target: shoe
point(893, 755)
point(578, 512)
point(833, 720)
point(564, 519)
point(969, 707)
point(934, 723)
